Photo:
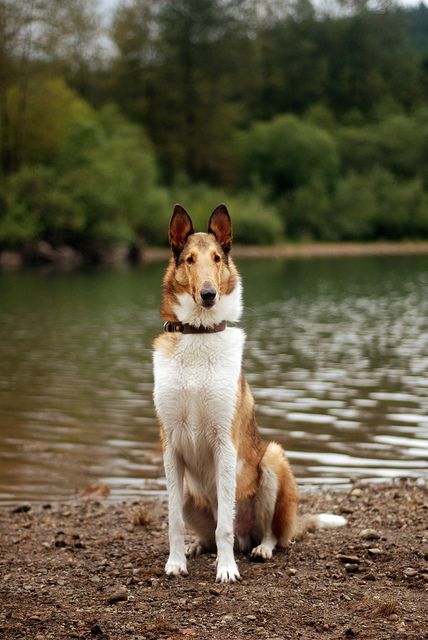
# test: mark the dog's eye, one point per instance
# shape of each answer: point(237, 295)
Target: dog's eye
point(190, 260)
point(217, 258)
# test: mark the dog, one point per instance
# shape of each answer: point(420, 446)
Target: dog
point(223, 481)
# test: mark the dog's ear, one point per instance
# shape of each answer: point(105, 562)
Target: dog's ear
point(180, 228)
point(220, 225)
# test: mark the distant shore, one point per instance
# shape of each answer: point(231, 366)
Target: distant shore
point(42, 253)
point(313, 250)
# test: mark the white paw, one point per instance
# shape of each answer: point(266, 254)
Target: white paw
point(174, 568)
point(194, 550)
point(227, 573)
point(262, 552)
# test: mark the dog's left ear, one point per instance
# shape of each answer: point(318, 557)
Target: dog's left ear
point(220, 225)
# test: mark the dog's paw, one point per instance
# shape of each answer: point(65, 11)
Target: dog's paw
point(261, 552)
point(174, 568)
point(227, 573)
point(195, 549)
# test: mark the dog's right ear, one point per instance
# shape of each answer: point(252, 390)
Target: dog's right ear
point(180, 228)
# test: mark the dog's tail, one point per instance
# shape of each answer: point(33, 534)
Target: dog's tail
point(310, 522)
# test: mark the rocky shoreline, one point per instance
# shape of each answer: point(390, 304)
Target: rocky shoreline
point(89, 568)
point(43, 253)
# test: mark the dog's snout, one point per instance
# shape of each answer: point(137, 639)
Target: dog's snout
point(208, 294)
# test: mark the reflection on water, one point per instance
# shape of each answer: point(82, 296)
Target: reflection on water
point(337, 357)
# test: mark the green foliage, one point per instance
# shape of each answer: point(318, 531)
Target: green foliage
point(307, 212)
point(36, 205)
point(102, 190)
point(51, 109)
point(254, 220)
point(307, 125)
point(110, 170)
point(288, 153)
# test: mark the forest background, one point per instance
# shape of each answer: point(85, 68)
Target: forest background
point(309, 120)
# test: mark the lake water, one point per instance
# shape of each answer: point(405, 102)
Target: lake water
point(336, 354)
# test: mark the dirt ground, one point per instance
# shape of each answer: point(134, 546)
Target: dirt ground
point(90, 569)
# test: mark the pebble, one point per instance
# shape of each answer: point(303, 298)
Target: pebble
point(410, 572)
point(214, 591)
point(121, 595)
point(292, 571)
point(345, 558)
point(369, 534)
point(356, 492)
point(251, 617)
point(22, 508)
point(375, 551)
point(346, 509)
point(351, 567)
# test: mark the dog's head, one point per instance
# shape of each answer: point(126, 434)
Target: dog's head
point(202, 276)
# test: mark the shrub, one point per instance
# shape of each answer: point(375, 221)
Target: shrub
point(286, 154)
point(254, 221)
point(36, 206)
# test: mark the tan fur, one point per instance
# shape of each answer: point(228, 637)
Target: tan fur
point(254, 454)
point(266, 494)
point(167, 343)
point(182, 277)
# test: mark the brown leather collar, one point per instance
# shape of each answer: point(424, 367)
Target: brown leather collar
point(180, 327)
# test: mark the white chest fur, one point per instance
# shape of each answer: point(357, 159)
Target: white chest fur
point(195, 396)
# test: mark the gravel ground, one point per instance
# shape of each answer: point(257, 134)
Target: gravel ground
point(90, 569)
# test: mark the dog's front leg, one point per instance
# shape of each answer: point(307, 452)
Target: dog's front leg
point(174, 471)
point(227, 571)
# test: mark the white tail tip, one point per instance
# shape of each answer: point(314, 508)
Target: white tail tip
point(329, 521)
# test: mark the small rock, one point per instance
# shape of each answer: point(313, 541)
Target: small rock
point(375, 551)
point(356, 492)
point(10, 260)
point(350, 559)
point(351, 567)
point(96, 631)
point(369, 534)
point(214, 591)
point(95, 490)
point(410, 572)
point(251, 617)
point(121, 595)
point(60, 539)
point(226, 619)
point(346, 509)
point(22, 508)
point(292, 571)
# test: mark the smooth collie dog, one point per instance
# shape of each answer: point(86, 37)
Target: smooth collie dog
point(223, 481)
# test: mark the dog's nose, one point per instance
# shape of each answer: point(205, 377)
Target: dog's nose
point(208, 294)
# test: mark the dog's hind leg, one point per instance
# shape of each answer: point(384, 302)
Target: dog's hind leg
point(201, 520)
point(275, 503)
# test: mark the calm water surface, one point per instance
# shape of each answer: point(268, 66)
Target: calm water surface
point(337, 357)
